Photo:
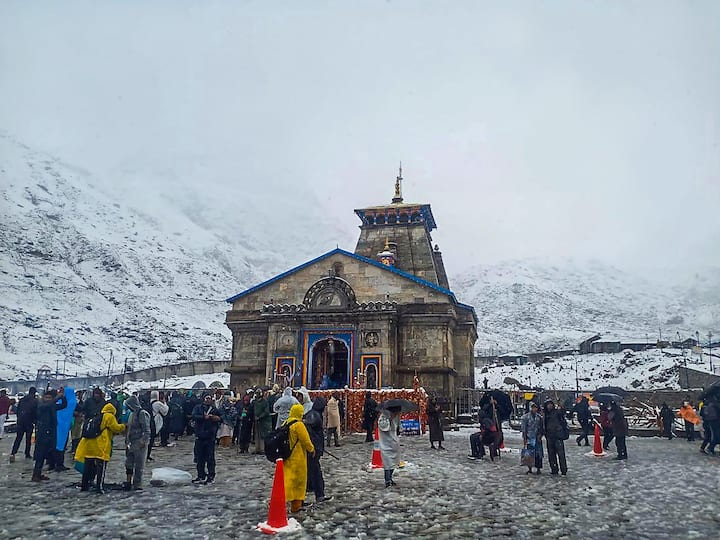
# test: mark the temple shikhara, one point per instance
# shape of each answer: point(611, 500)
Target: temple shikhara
point(373, 318)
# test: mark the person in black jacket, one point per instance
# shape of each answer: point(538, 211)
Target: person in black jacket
point(93, 405)
point(667, 417)
point(191, 401)
point(313, 421)
point(434, 413)
point(584, 416)
point(207, 419)
point(26, 415)
point(46, 437)
point(369, 416)
point(620, 428)
point(556, 431)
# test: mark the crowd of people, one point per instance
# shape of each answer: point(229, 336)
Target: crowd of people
point(88, 421)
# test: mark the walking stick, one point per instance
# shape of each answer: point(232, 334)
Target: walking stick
point(330, 454)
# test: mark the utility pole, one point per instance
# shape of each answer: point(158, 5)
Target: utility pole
point(697, 338)
point(710, 351)
point(577, 380)
point(110, 363)
point(687, 375)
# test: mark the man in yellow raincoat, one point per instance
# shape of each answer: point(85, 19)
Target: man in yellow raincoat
point(95, 453)
point(295, 467)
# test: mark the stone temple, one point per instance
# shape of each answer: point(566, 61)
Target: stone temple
point(373, 318)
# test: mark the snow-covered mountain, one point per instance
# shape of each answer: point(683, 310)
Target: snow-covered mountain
point(535, 305)
point(653, 369)
point(140, 264)
point(137, 267)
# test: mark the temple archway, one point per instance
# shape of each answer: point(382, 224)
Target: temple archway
point(329, 365)
point(371, 376)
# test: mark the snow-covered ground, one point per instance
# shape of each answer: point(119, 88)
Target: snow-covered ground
point(665, 490)
point(645, 370)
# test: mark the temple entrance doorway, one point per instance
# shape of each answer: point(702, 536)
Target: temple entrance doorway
point(329, 367)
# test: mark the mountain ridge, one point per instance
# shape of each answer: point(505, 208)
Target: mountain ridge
point(141, 267)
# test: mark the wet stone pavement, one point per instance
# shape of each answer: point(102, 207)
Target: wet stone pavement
point(667, 489)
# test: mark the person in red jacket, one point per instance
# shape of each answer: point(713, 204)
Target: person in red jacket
point(5, 403)
point(606, 425)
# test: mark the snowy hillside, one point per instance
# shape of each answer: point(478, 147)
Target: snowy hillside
point(646, 370)
point(136, 269)
point(534, 305)
point(140, 264)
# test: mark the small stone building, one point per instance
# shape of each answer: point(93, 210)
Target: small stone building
point(373, 318)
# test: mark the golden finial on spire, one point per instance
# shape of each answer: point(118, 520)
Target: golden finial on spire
point(387, 244)
point(398, 187)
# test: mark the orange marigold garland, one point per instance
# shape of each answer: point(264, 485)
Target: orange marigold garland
point(355, 399)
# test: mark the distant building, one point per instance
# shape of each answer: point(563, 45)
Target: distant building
point(511, 358)
point(688, 343)
point(542, 355)
point(635, 344)
point(585, 346)
point(605, 346)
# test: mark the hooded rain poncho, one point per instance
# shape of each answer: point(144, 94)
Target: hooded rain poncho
point(295, 467)
point(101, 446)
point(282, 406)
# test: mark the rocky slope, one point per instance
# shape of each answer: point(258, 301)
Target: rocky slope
point(87, 268)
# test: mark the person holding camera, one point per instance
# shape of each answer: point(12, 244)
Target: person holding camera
point(207, 420)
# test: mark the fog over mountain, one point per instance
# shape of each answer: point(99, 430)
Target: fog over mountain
point(158, 156)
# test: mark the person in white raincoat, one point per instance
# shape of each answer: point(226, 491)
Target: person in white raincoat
point(282, 406)
point(306, 401)
point(388, 428)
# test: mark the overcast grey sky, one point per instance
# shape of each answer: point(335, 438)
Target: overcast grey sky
point(555, 128)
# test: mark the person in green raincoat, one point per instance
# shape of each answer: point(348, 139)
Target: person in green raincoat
point(263, 420)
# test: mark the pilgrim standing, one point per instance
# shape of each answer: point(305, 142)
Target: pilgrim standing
point(206, 418)
point(388, 428)
point(296, 467)
point(95, 453)
point(26, 415)
point(531, 425)
point(369, 416)
point(620, 429)
point(332, 419)
point(434, 413)
point(313, 421)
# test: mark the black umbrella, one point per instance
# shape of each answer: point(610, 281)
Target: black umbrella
point(612, 390)
point(404, 404)
point(607, 397)
point(712, 391)
point(503, 404)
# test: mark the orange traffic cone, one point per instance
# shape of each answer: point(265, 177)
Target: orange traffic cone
point(597, 443)
point(376, 462)
point(277, 513)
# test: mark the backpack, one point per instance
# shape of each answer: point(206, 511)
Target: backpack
point(277, 443)
point(92, 428)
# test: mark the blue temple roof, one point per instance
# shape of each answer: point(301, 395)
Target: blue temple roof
point(372, 262)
